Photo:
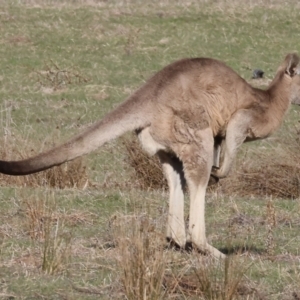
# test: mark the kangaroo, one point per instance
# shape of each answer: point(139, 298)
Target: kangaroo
point(181, 114)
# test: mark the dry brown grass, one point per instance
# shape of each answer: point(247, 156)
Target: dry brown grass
point(202, 277)
point(141, 256)
point(56, 247)
point(38, 213)
point(222, 279)
point(54, 77)
point(280, 181)
point(266, 175)
point(270, 224)
point(49, 230)
point(147, 269)
point(147, 171)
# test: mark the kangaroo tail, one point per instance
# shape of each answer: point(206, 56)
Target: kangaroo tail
point(126, 117)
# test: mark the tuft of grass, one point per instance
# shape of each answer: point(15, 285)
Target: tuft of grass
point(49, 228)
point(147, 171)
point(211, 279)
point(56, 247)
point(140, 257)
point(220, 280)
point(36, 214)
point(270, 224)
point(56, 239)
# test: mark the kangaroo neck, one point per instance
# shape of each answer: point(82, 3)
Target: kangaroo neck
point(279, 93)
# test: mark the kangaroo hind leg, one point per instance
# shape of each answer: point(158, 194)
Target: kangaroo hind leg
point(197, 158)
point(173, 172)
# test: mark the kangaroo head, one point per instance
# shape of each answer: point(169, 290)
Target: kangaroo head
point(292, 69)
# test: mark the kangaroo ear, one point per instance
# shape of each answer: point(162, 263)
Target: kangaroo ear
point(291, 62)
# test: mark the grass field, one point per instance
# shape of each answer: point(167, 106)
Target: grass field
point(86, 230)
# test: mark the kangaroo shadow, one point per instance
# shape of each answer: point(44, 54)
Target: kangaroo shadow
point(240, 249)
point(229, 250)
